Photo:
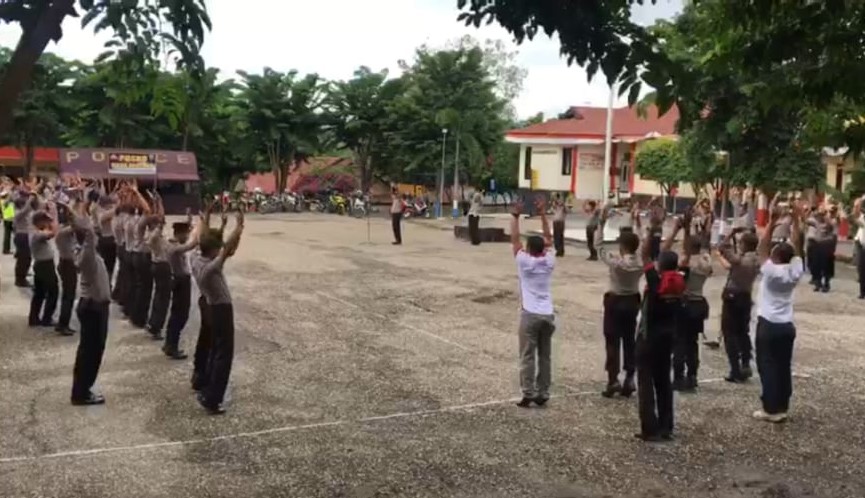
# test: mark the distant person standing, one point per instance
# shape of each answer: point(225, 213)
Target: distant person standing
point(535, 264)
point(559, 214)
point(396, 209)
point(8, 208)
point(859, 222)
point(475, 218)
point(594, 212)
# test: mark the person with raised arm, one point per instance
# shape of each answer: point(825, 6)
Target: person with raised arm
point(181, 287)
point(621, 307)
point(25, 203)
point(208, 270)
point(781, 268)
point(535, 264)
point(161, 269)
point(142, 266)
point(592, 209)
point(858, 221)
point(560, 213)
point(43, 303)
point(66, 245)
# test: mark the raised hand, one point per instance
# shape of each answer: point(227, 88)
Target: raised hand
point(517, 209)
point(541, 205)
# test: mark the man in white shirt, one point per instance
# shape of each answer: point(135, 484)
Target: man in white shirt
point(781, 271)
point(859, 222)
point(535, 265)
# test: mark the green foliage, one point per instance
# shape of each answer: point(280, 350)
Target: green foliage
point(662, 160)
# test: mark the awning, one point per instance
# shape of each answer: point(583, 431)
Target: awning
point(132, 163)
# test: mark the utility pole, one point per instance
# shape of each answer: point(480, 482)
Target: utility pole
point(456, 208)
point(442, 175)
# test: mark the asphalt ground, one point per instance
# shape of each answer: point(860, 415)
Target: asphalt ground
point(364, 370)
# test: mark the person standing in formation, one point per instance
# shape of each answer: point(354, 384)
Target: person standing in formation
point(8, 208)
point(559, 214)
point(161, 269)
point(621, 307)
point(535, 264)
point(592, 209)
point(475, 218)
point(181, 286)
point(107, 246)
point(45, 288)
point(661, 310)
point(143, 284)
point(66, 244)
point(744, 266)
point(208, 270)
point(696, 266)
point(781, 269)
point(396, 210)
point(93, 311)
point(25, 204)
point(859, 223)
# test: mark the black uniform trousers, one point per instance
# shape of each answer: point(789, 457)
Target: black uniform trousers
point(590, 241)
point(127, 293)
point(120, 289)
point(142, 288)
point(45, 292)
point(181, 295)
point(655, 390)
point(107, 248)
point(68, 285)
point(221, 353)
point(161, 296)
point(620, 332)
point(200, 373)
point(395, 221)
point(22, 258)
point(860, 267)
point(735, 326)
point(93, 317)
point(475, 229)
point(774, 358)
point(559, 237)
point(8, 230)
point(686, 349)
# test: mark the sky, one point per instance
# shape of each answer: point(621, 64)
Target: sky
point(335, 37)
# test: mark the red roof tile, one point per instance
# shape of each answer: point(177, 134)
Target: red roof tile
point(592, 122)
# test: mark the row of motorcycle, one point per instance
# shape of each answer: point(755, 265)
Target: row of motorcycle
point(335, 202)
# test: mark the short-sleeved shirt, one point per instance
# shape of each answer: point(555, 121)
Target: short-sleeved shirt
point(396, 205)
point(477, 204)
point(129, 233)
point(66, 243)
point(860, 229)
point(210, 279)
point(594, 218)
point(178, 259)
point(94, 283)
point(775, 302)
point(156, 245)
point(21, 221)
point(118, 225)
point(625, 272)
point(559, 211)
point(40, 246)
point(698, 271)
point(744, 269)
point(104, 218)
point(536, 276)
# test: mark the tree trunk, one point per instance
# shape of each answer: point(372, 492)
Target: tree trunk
point(30, 47)
point(185, 138)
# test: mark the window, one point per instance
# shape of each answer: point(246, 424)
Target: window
point(527, 172)
point(567, 161)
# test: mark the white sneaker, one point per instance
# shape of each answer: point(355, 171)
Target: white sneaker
point(773, 418)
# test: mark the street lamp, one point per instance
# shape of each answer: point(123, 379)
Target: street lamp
point(442, 175)
point(456, 208)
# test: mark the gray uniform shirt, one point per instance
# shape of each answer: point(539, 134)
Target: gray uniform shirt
point(21, 221)
point(40, 246)
point(625, 272)
point(477, 204)
point(177, 259)
point(105, 219)
point(744, 269)
point(156, 245)
point(118, 224)
point(66, 243)
point(210, 279)
point(140, 235)
point(93, 283)
point(700, 269)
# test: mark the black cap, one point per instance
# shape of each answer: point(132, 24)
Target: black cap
point(180, 226)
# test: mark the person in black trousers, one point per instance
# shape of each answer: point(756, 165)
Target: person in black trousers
point(25, 204)
point(6, 204)
point(208, 271)
point(559, 214)
point(93, 310)
point(181, 288)
point(67, 270)
point(45, 287)
point(662, 302)
point(107, 245)
point(474, 216)
point(397, 206)
point(594, 212)
point(859, 225)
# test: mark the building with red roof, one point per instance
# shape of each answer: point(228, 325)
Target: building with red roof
point(567, 154)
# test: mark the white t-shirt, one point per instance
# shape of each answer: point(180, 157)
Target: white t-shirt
point(536, 276)
point(860, 227)
point(775, 302)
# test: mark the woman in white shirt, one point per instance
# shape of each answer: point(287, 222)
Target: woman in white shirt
point(859, 222)
point(781, 271)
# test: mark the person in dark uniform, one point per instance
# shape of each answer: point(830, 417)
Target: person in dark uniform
point(25, 204)
point(45, 287)
point(208, 270)
point(662, 303)
point(657, 215)
point(156, 243)
point(142, 285)
point(181, 287)
point(696, 266)
point(736, 301)
point(7, 206)
point(859, 223)
point(559, 214)
point(119, 290)
point(93, 309)
point(397, 206)
point(621, 307)
point(474, 216)
point(592, 209)
point(107, 247)
point(66, 243)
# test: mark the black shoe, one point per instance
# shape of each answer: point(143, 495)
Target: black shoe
point(825, 288)
point(628, 388)
point(649, 438)
point(396, 243)
point(525, 402)
point(612, 389)
point(666, 436)
point(861, 296)
point(691, 382)
point(64, 331)
point(48, 323)
point(23, 285)
point(735, 378)
point(197, 383)
point(818, 288)
point(155, 335)
point(747, 373)
point(174, 354)
point(541, 401)
point(212, 409)
point(33, 323)
point(679, 384)
point(90, 399)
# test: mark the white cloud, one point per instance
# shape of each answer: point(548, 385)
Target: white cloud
point(334, 37)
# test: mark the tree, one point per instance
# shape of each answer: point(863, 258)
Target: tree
point(284, 118)
point(41, 20)
point(662, 160)
point(360, 116)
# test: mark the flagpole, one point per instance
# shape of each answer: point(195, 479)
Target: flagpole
point(608, 145)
